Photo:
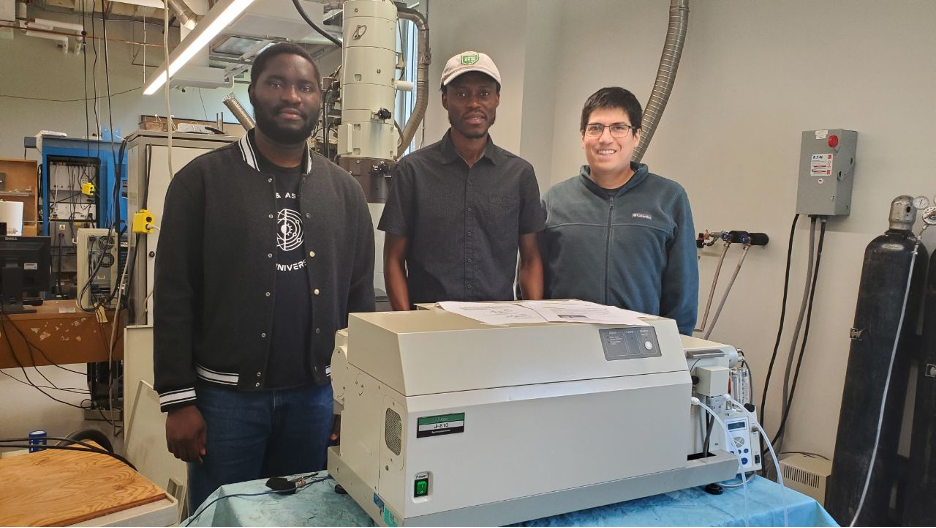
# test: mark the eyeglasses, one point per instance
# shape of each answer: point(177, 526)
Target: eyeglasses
point(618, 130)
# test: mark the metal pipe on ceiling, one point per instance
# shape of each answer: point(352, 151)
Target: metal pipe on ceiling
point(666, 74)
point(79, 37)
point(422, 77)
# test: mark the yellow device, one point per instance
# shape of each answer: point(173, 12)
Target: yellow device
point(87, 188)
point(143, 222)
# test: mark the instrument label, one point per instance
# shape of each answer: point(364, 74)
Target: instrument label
point(440, 425)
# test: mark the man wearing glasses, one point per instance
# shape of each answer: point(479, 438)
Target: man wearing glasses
point(617, 234)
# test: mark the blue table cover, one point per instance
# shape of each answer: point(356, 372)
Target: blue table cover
point(319, 505)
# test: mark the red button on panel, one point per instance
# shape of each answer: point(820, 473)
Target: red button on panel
point(833, 141)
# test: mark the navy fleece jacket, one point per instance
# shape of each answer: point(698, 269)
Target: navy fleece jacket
point(635, 250)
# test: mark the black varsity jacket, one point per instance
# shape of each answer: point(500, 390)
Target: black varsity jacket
point(216, 267)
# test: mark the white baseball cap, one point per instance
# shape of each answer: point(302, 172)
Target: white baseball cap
point(469, 61)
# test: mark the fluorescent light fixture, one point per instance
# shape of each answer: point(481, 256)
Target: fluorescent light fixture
point(218, 18)
point(156, 4)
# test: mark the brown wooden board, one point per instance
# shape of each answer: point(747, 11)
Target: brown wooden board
point(22, 184)
point(56, 488)
point(55, 337)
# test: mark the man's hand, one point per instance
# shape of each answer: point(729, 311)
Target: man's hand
point(186, 434)
point(336, 430)
point(395, 250)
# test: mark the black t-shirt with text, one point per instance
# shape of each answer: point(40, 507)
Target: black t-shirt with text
point(288, 364)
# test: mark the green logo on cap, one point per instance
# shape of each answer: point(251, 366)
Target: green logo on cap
point(469, 59)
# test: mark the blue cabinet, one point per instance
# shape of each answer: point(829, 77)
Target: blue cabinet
point(94, 153)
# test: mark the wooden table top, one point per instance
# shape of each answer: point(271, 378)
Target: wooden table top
point(56, 488)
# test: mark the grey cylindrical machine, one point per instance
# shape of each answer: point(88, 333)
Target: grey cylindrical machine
point(240, 113)
point(921, 477)
point(887, 265)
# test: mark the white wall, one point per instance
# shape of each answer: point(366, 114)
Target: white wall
point(540, 74)
point(753, 76)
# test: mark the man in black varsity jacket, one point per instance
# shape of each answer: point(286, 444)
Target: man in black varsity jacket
point(264, 249)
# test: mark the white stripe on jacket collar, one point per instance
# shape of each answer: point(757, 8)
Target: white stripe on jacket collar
point(249, 153)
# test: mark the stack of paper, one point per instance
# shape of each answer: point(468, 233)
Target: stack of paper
point(572, 311)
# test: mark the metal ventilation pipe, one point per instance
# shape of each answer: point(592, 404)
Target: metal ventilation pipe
point(422, 77)
point(240, 113)
point(183, 13)
point(666, 73)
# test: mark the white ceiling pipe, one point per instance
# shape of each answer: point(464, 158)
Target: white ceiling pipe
point(46, 23)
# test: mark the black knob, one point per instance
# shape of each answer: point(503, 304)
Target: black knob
point(759, 239)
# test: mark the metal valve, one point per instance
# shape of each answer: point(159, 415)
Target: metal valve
point(929, 216)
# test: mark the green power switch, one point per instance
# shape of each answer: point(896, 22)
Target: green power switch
point(422, 487)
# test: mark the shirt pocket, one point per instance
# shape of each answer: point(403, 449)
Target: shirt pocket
point(500, 218)
point(504, 208)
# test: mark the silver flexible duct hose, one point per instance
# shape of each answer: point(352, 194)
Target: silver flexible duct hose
point(666, 74)
point(422, 78)
point(183, 12)
point(240, 113)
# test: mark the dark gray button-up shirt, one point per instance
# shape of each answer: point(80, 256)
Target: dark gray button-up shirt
point(462, 224)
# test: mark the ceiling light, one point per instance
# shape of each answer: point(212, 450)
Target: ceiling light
point(218, 18)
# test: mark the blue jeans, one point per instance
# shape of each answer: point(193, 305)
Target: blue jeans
point(261, 434)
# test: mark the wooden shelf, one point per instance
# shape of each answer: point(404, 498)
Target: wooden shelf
point(23, 174)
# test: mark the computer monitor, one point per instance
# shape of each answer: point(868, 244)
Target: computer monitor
point(25, 265)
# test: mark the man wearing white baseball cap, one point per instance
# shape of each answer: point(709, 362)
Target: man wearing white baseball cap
point(459, 209)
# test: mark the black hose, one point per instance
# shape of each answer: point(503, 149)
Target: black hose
point(799, 361)
point(86, 448)
point(786, 289)
point(709, 425)
point(315, 26)
point(93, 435)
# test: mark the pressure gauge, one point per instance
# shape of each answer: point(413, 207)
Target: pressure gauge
point(929, 216)
point(921, 202)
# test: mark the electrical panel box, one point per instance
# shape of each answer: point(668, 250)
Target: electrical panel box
point(807, 474)
point(826, 171)
point(66, 181)
point(97, 267)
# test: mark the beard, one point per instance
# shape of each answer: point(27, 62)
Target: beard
point(470, 134)
point(267, 123)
